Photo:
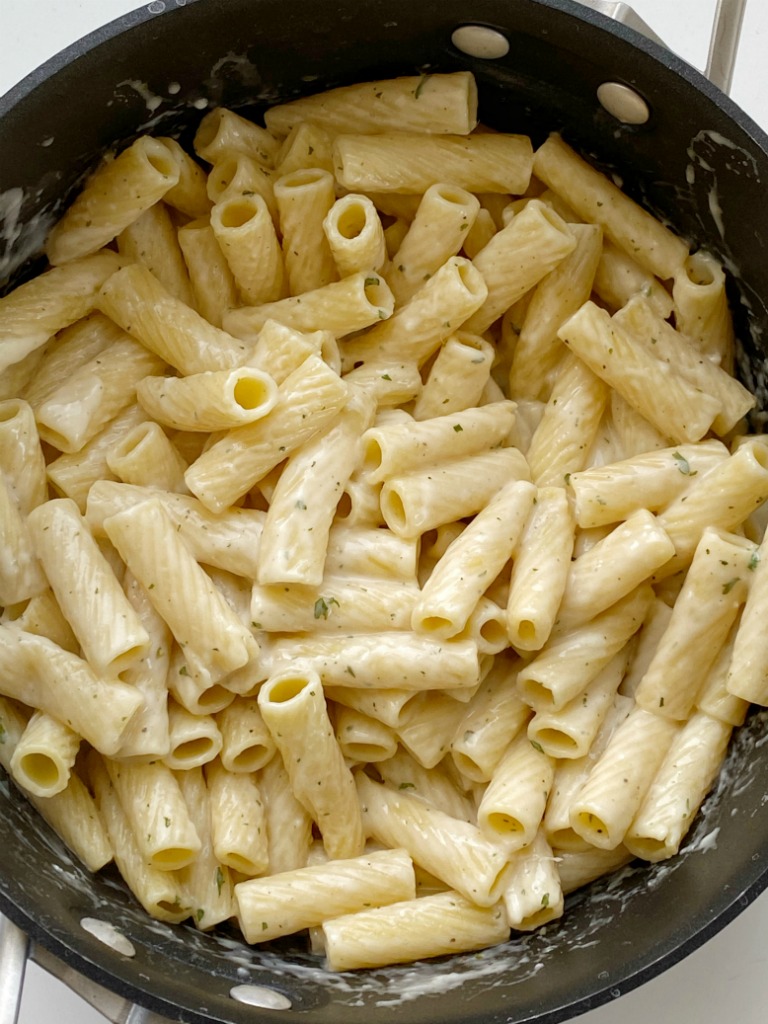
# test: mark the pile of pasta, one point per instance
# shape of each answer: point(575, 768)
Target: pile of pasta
point(381, 534)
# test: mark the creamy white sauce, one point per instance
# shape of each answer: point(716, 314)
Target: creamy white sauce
point(109, 935)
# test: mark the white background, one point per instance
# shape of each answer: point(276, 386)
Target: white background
point(726, 980)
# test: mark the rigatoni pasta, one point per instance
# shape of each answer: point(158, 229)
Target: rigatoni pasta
point(395, 511)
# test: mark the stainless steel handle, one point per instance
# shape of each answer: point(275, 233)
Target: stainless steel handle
point(723, 44)
point(14, 946)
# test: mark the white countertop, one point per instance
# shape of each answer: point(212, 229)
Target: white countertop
point(727, 979)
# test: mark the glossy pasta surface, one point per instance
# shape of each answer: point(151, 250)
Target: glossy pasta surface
point(382, 536)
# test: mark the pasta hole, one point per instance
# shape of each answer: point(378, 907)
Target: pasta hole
point(536, 694)
point(344, 508)
point(171, 858)
point(504, 824)
point(591, 825)
point(556, 743)
point(208, 130)
point(395, 509)
point(454, 196)
point(351, 223)
point(163, 162)
point(760, 452)
point(469, 767)
point(250, 392)
point(251, 759)
point(366, 752)
point(214, 698)
point(493, 632)
point(526, 630)
point(286, 689)
point(650, 849)
point(40, 769)
point(243, 865)
point(436, 624)
point(372, 455)
point(237, 213)
point(379, 295)
point(193, 750)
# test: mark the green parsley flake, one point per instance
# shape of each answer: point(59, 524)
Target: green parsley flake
point(323, 607)
point(683, 464)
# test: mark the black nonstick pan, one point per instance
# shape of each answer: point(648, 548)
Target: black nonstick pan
point(699, 163)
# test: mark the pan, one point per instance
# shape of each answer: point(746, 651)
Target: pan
point(698, 162)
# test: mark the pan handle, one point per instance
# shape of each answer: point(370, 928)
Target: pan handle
point(14, 946)
point(723, 44)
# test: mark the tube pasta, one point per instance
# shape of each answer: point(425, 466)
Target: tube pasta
point(223, 131)
point(134, 299)
point(612, 568)
point(426, 103)
point(152, 240)
point(157, 813)
point(304, 200)
point(215, 400)
point(701, 307)
point(115, 195)
point(452, 850)
point(437, 232)
point(245, 232)
point(213, 286)
point(540, 570)
point(555, 298)
point(91, 598)
point(465, 357)
point(494, 716)
point(159, 892)
point(561, 442)
point(247, 743)
point(36, 310)
point(715, 587)
point(669, 400)
point(569, 662)
point(308, 399)
point(678, 788)
point(294, 543)
point(287, 903)
point(213, 639)
point(238, 824)
point(395, 448)
point(418, 328)
point(619, 278)
point(363, 739)
point(570, 732)
point(416, 502)
point(342, 307)
point(513, 804)
point(289, 825)
point(44, 756)
point(597, 200)
point(616, 786)
point(409, 163)
point(533, 895)
point(193, 739)
point(392, 660)
point(426, 927)
point(293, 707)
point(472, 562)
point(206, 883)
point(355, 236)
point(651, 480)
point(95, 393)
point(296, 577)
